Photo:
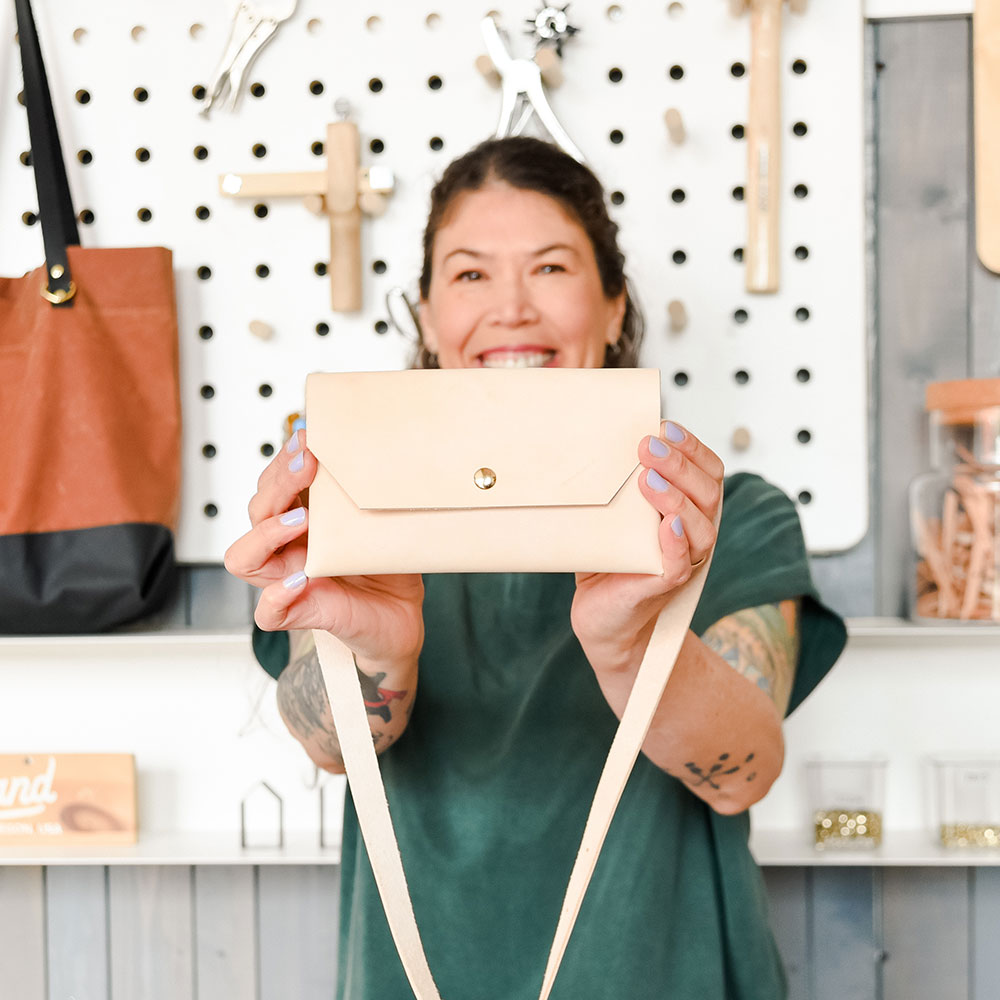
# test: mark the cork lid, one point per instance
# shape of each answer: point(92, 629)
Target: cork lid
point(964, 394)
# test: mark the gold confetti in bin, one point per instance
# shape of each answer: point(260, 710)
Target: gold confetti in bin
point(845, 798)
point(967, 800)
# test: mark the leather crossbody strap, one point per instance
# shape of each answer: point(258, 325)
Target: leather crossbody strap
point(55, 204)
point(351, 719)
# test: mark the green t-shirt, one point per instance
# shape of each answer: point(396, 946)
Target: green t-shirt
point(491, 784)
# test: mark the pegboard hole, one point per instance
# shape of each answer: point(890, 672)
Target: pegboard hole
point(740, 316)
point(681, 378)
point(204, 272)
point(381, 327)
point(376, 146)
point(617, 198)
point(207, 392)
point(435, 82)
point(200, 153)
point(320, 268)
point(738, 255)
point(738, 192)
point(142, 154)
point(258, 89)
point(267, 449)
point(260, 211)
point(85, 156)
point(675, 10)
point(737, 131)
point(802, 314)
point(615, 13)
point(799, 67)
point(195, 30)
point(616, 136)
point(375, 85)
point(86, 216)
point(313, 25)
point(322, 329)
point(264, 390)
point(803, 375)
point(805, 497)
point(137, 33)
point(202, 212)
point(678, 256)
point(316, 87)
point(373, 23)
point(802, 253)
point(259, 150)
point(208, 450)
point(676, 72)
point(317, 149)
point(211, 510)
point(82, 97)
point(79, 34)
point(741, 377)
point(141, 94)
point(433, 21)
point(737, 69)
point(20, 98)
point(804, 436)
point(29, 218)
point(800, 128)
point(678, 195)
point(198, 92)
point(25, 157)
point(144, 215)
point(800, 191)
point(615, 74)
point(262, 270)
point(379, 266)
point(436, 143)
point(206, 332)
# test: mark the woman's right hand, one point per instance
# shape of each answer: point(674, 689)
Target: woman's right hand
point(380, 618)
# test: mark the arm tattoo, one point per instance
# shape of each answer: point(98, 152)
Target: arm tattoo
point(760, 644)
point(303, 702)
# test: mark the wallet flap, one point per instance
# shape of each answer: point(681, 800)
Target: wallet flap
point(476, 437)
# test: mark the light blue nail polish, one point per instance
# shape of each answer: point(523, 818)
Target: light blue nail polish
point(658, 448)
point(677, 526)
point(293, 517)
point(656, 482)
point(293, 444)
point(295, 465)
point(673, 432)
point(299, 424)
point(295, 580)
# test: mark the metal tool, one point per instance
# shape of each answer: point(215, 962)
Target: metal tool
point(252, 29)
point(550, 26)
point(523, 93)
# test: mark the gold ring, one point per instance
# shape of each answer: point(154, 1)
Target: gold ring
point(59, 295)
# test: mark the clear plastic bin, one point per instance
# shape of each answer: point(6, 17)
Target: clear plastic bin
point(967, 801)
point(846, 801)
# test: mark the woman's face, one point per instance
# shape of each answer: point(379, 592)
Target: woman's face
point(514, 283)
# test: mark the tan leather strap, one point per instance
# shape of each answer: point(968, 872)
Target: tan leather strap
point(351, 719)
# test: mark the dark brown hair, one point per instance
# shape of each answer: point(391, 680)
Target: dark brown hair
point(533, 165)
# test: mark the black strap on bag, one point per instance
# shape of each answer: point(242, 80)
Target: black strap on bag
point(55, 205)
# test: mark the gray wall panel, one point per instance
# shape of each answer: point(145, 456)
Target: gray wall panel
point(77, 927)
point(788, 890)
point(22, 932)
point(225, 901)
point(150, 925)
point(985, 918)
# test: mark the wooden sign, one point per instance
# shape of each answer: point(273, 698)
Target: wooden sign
point(67, 798)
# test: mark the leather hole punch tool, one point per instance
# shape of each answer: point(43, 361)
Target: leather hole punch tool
point(252, 29)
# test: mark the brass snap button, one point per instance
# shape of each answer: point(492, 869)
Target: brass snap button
point(485, 478)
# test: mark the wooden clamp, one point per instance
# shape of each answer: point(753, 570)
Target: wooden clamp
point(343, 191)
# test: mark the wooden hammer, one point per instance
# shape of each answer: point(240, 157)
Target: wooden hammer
point(763, 189)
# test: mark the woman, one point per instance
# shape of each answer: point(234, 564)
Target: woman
point(521, 676)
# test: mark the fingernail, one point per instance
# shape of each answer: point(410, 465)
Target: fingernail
point(293, 517)
point(298, 424)
point(677, 526)
point(658, 448)
point(293, 443)
point(673, 432)
point(295, 465)
point(294, 581)
point(656, 482)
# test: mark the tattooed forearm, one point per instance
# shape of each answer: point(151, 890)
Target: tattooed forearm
point(303, 702)
point(761, 644)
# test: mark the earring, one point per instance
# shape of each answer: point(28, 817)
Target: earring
point(615, 349)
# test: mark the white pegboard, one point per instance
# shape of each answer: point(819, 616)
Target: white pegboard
point(809, 437)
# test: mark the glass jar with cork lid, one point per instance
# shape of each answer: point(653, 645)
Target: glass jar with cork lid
point(955, 507)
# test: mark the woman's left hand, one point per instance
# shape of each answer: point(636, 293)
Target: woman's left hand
point(682, 479)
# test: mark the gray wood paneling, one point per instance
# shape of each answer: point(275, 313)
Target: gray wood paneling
point(923, 203)
point(77, 929)
point(225, 900)
point(984, 317)
point(925, 914)
point(22, 932)
point(150, 927)
point(846, 949)
point(985, 918)
point(218, 600)
point(788, 891)
point(298, 931)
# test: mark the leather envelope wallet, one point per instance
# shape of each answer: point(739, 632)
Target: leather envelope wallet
point(481, 470)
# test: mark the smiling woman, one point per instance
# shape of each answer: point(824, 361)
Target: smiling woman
point(528, 226)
